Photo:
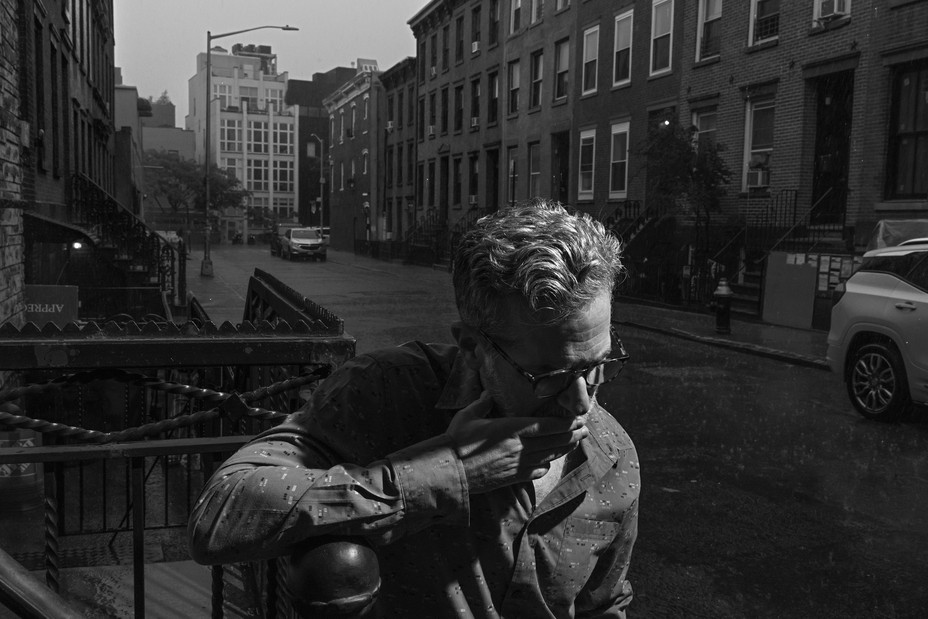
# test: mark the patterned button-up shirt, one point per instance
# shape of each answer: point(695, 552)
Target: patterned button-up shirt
point(442, 552)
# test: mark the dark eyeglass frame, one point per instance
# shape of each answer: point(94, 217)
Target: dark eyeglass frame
point(536, 379)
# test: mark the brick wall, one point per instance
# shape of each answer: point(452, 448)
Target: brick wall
point(11, 217)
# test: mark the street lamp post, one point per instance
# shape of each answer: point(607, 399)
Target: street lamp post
point(321, 181)
point(206, 267)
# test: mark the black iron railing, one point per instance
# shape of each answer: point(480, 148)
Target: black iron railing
point(126, 420)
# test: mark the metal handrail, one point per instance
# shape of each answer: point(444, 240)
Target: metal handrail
point(25, 595)
point(806, 215)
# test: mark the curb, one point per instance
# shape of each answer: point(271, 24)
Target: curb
point(744, 347)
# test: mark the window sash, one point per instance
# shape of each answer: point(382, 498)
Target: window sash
point(537, 74)
point(587, 149)
point(621, 73)
point(618, 168)
point(590, 58)
point(661, 35)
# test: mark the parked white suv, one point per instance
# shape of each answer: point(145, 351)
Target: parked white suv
point(303, 243)
point(879, 331)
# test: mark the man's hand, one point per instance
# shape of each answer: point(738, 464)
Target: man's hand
point(505, 451)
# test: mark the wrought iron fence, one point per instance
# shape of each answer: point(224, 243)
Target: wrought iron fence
point(126, 421)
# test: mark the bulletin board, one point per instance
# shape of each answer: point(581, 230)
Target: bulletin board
point(789, 289)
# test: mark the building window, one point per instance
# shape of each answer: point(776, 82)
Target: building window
point(590, 59)
point(445, 42)
point(515, 15)
point(364, 159)
point(411, 119)
point(421, 125)
point(618, 162)
point(430, 180)
point(765, 20)
point(411, 158)
point(433, 55)
point(513, 171)
point(709, 32)
point(661, 35)
point(492, 97)
point(475, 29)
point(283, 175)
point(283, 138)
point(421, 63)
point(341, 174)
point(273, 99)
point(475, 102)
point(587, 149)
point(493, 29)
point(257, 177)
point(473, 177)
point(456, 182)
point(514, 87)
point(331, 129)
point(705, 122)
point(537, 68)
point(230, 135)
point(538, 9)
point(367, 107)
point(341, 126)
point(534, 170)
point(458, 107)
point(257, 136)
point(354, 117)
point(622, 69)
point(389, 170)
point(561, 4)
point(399, 108)
point(399, 164)
point(561, 69)
point(444, 110)
point(826, 10)
point(908, 136)
point(759, 147)
point(459, 39)
point(420, 183)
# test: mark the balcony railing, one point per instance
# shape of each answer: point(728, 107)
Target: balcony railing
point(117, 426)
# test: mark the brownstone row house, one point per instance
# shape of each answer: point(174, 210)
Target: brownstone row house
point(71, 221)
point(819, 109)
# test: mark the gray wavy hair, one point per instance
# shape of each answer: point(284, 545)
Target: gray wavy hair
point(555, 260)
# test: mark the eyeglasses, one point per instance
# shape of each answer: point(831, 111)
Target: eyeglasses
point(550, 384)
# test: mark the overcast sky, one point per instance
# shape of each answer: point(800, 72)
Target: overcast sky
point(157, 41)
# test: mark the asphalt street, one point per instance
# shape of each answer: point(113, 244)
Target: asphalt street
point(764, 494)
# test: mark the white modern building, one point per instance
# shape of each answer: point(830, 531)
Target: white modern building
point(253, 132)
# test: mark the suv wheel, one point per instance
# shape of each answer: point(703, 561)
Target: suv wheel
point(876, 382)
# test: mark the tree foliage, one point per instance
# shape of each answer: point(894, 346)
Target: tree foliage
point(181, 183)
point(681, 172)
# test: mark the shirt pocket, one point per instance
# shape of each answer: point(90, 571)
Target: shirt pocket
point(584, 541)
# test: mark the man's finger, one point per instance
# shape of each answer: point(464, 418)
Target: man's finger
point(543, 426)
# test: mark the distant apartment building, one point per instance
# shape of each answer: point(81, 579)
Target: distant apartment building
point(312, 147)
point(161, 133)
point(399, 170)
point(355, 136)
point(253, 133)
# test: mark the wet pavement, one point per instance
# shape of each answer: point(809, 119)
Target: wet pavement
point(735, 526)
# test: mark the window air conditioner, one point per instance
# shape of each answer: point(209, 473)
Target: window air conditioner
point(433, 72)
point(472, 199)
point(431, 130)
point(758, 177)
point(389, 125)
point(475, 47)
point(474, 121)
point(832, 9)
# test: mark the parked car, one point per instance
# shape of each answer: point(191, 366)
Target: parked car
point(878, 340)
point(278, 234)
point(303, 243)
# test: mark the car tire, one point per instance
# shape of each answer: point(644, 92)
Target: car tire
point(876, 382)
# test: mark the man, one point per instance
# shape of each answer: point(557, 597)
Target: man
point(486, 476)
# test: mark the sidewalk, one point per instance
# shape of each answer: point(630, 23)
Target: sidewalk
point(797, 346)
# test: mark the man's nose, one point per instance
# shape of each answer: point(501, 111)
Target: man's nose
point(577, 398)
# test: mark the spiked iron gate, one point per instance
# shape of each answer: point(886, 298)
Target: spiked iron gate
point(130, 419)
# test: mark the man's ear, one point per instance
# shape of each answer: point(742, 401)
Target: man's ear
point(467, 338)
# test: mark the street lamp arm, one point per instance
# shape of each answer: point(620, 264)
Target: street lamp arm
point(211, 36)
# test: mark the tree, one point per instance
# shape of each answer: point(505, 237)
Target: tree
point(182, 183)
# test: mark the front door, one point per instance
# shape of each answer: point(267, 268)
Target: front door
point(834, 103)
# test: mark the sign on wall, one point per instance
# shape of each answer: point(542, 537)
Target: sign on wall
point(56, 304)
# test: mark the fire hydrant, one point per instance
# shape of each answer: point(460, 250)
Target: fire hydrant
point(723, 295)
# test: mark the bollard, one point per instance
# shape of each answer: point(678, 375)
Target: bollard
point(334, 577)
point(723, 295)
